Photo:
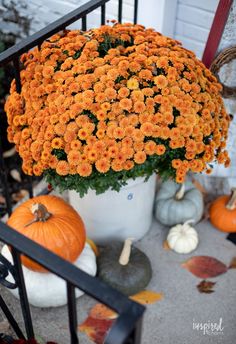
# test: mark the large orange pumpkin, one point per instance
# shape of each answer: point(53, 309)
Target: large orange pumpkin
point(223, 213)
point(52, 223)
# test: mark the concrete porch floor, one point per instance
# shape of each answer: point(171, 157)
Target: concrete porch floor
point(171, 319)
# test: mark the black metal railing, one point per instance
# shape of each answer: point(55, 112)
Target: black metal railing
point(127, 327)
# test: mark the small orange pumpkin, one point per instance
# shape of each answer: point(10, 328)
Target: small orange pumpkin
point(223, 213)
point(52, 223)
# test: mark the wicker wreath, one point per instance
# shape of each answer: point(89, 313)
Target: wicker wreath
point(224, 57)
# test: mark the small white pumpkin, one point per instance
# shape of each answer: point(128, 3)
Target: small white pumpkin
point(47, 289)
point(183, 238)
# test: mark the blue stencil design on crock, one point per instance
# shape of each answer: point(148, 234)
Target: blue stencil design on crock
point(130, 196)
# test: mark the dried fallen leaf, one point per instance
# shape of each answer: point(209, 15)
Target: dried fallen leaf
point(205, 266)
point(99, 311)
point(9, 153)
point(166, 245)
point(93, 246)
point(232, 264)
point(2, 200)
point(4, 326)
point(19, 195)
point(206, 213)
point(199, 186)
point(206, 287)
point(15, 175)
point(147, 297)
point(96, 329)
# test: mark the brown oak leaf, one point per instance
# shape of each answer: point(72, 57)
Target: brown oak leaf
point(165, 245)
point(205, 266)
point(206, 287)
point(2, 200)
point(96, 329)
point(232, 264)
point(147, 297)
point(99, 311)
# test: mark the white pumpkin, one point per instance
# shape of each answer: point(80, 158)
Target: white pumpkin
point(183, 238)
point(177, 203)
point(47, 289)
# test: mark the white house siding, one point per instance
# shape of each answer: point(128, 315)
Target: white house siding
point(193, 22)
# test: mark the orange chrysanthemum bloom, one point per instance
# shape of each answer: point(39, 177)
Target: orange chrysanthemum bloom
point(133, 84)
point(161, 81)
point(139, 107)
point(176, 163)
point(92, 155)
point(150, 147)
point(126, 104)
point(84, 169)
point(116, 166)
point(75, 144)
point(123, 92)
point(140, 157)
point(102, 165)
point(147, 128)
point(82, 135)
point(160, 149)
point(62, 168)
point(74, 157)
point(128, 165)
point(57, 143)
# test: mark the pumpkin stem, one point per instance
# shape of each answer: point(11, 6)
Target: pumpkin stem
point(40, 213)
point(231, 205)
point(125, 254)
point(180, 193)
point(188, 222)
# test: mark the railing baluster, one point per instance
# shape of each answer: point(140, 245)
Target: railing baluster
point(72, 313)
point(135, 11)
point(136, 334)
point(3, 177)
point(17, 73)
point(11, 319)
point(23, 294)
point(30, 186)
point(18, 89)
point(84, 23)
point(103, 14)
point(120, 5)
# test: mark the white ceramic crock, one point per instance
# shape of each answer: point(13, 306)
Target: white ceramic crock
point(117, 215)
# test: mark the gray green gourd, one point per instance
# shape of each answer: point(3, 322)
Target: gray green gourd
point(124, 267)
point(177, 203)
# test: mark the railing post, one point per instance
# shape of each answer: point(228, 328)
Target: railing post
point(11, 319)
point(120, 5)
point(84, 23)
point(17, 73)
point(135, 11)
point(3, 177)
point(103, 14)
point(72, 313)
point(23, 294)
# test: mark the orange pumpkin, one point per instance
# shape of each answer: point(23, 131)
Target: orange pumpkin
point(223, 213)
point(52, 223)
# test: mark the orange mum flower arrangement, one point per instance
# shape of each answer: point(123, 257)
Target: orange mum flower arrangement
point(102, 106)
